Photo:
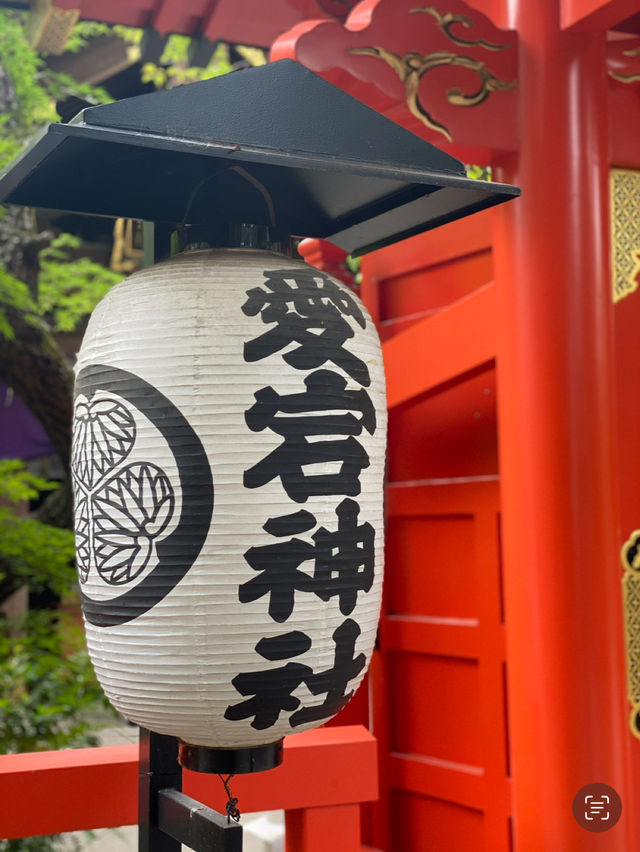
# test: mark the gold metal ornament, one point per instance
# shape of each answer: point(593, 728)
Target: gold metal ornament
point(625, 232)
point(630, 557)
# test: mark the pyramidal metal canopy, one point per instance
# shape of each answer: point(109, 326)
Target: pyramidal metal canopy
point(273, 145)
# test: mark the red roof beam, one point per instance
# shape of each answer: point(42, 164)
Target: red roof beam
point(254, 24)
point(130, 14)
point(178, 16)
point(596, 15)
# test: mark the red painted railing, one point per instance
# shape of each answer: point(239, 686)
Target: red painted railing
point(325, 775)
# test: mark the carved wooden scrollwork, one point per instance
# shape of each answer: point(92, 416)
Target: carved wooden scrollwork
point(412, 67)
point(446, 21)
point(418, 62)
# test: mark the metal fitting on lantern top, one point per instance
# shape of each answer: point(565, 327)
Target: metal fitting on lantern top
point(231, 235)
point(235, 761)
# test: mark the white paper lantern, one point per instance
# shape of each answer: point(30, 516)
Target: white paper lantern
point(228, 463)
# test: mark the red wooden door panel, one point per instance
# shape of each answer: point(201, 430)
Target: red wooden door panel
point(442, 640)
point(438, 689)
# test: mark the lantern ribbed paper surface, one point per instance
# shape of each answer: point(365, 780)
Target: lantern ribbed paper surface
point(228, 464)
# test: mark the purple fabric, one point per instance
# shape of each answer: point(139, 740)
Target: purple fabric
point(21, 435)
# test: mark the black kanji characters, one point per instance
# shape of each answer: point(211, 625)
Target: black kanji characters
point(310, 290)
point(284, 645)
point(311, 318)
point(343, 562)
point(326, 392)
point(333, 682)
point(279, 576)
point(345, 559)
point(271, 690)
point(308, 309)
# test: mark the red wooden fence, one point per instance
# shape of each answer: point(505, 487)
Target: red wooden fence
point(325, 775)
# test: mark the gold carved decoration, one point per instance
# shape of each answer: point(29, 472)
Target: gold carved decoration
point(446, 21)
point(625, 232)
point(413, 66)
point(630, 556)
point(627, 78)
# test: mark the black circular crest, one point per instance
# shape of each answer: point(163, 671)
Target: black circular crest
point(136, 503)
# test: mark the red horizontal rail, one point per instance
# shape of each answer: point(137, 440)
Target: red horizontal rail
point(450, 345)
point(462, 785)
point(330, 769)
point(446, 244)
point(442, 637)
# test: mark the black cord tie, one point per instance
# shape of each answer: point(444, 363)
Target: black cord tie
point(231, 807)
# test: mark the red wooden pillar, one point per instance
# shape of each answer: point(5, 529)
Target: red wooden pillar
point(563, 601)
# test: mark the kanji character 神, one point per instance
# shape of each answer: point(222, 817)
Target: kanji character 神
point(343, 562)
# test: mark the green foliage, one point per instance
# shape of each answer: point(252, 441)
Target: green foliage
point(353, 264)
point(14, 294)
point(47, 685)
point(17, 483)
point(37, 844)
point(174, 70)
point(48, 691)
point(69, 289)
point(479, 172)
point(47, 688)
point(48, 694)
point(31, 552)
point(35, 554)
point(24, 66)
point(10, 146)
point(60, 86)
point(82, 34)
point(176, 51)
point(253, 55)
point(36, 87)
point(132, 35)
point(84, 31)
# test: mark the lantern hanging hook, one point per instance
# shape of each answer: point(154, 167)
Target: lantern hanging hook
point(245, 175)
point(262, 189)
point(231, 807)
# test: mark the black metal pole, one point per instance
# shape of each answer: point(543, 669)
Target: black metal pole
point(158, 770)
point(166, 817)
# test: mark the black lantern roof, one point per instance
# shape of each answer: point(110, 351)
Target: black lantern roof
point(273, 145)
